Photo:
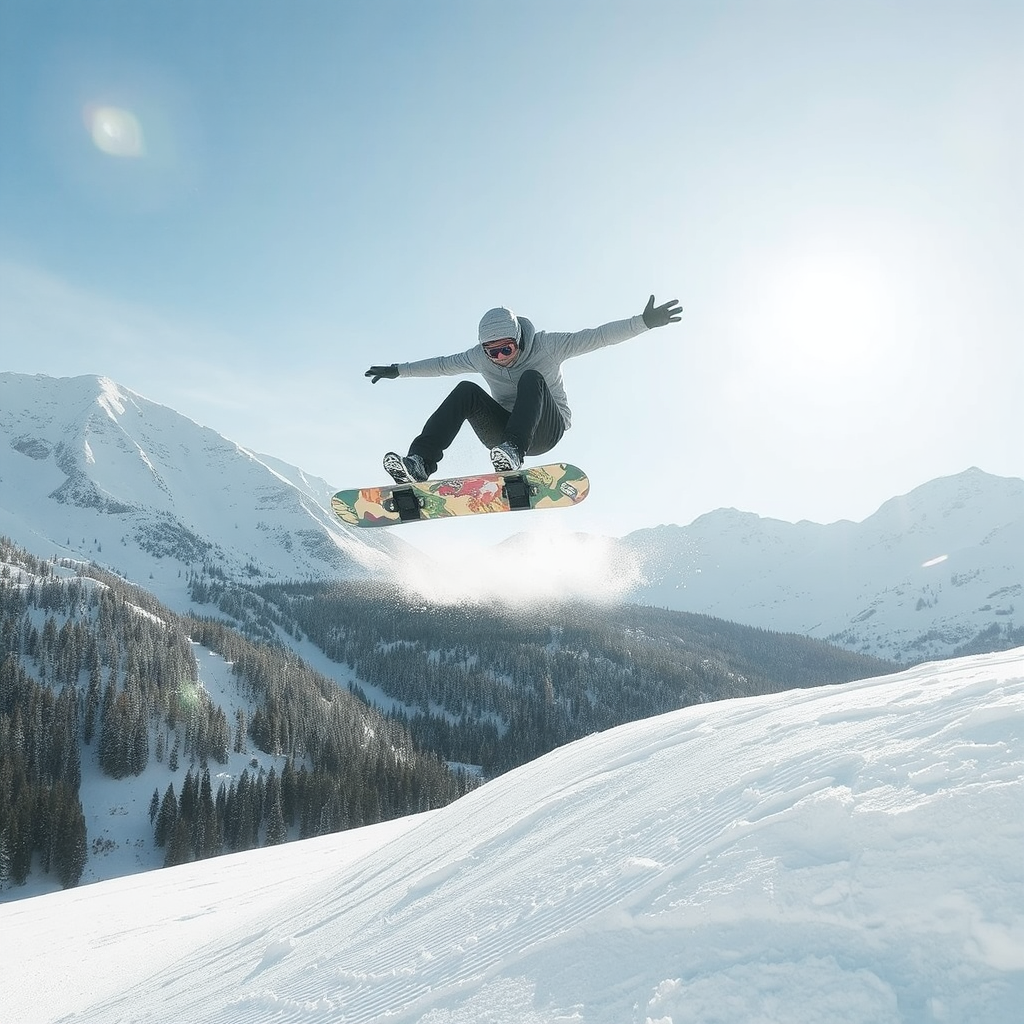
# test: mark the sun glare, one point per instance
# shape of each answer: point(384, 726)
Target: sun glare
point(823, 315)
point(114, 131)
point(827, 300)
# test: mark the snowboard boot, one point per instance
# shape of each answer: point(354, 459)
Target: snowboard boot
point(407, 470)
point(505, 458)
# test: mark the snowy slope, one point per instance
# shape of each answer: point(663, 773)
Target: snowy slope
point(840, 854)
point(91, 470)
point(926, 573)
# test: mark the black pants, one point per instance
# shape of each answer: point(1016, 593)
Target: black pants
point(534, 425)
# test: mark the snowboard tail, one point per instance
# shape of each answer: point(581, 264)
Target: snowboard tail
point(559, 485)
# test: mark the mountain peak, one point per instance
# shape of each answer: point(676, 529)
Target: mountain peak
point(111, 397)
point(105, 475)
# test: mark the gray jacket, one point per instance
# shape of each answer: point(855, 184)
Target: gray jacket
point(544, 351)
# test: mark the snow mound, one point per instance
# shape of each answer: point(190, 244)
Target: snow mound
point(840, 854)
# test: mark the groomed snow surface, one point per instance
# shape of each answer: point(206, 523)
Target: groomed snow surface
point(844, 854)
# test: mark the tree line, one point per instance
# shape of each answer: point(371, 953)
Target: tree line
point(266, 808)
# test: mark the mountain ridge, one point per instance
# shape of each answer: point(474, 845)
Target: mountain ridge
point(93, 471)
point(926, 574)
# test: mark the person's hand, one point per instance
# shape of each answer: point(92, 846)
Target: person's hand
point(391, 372)
point(658, 316)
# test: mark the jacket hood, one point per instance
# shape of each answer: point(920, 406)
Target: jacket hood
point(526, 336)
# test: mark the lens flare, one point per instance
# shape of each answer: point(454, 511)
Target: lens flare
point(114, 131)
point(189, 695)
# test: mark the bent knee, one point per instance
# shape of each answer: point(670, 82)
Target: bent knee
point(467, 394)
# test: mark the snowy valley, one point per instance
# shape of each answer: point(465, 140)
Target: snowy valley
point(185, 737)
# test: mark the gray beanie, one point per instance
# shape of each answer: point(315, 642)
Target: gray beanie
point(498, 324)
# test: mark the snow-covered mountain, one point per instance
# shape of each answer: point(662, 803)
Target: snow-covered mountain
point(90, 470)
point(93, 471)
point(928, 573)
point(831, 855)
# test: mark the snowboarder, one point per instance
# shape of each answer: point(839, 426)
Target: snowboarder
point(526, 412)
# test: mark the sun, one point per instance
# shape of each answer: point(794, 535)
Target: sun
point(826, 302)
point(825, 312)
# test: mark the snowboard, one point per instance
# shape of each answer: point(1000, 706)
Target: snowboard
point(556, 486)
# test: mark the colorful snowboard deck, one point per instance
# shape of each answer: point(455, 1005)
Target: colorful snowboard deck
point(555, 486)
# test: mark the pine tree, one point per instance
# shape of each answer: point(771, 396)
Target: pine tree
point(92, 701)
point(240, 745)
point(289, 792)
point(138, 753)
point(21, 839)
point(44, 826)
point(210, 839)
point(167, 818)
point(179, 847)
point(110, 739)
point(5, 857)
point(277, 833)
point(71, 853)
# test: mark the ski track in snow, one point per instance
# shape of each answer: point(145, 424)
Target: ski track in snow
point(841, 854)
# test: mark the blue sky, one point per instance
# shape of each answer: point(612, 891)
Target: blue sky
point(832, 190)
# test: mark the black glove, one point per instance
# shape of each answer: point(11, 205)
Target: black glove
point(658, 316)
point(376, 372)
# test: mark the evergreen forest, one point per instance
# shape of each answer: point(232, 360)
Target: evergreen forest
point(93, 666)
point(495, 686)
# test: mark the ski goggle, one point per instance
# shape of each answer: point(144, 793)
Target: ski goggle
point(501, 350)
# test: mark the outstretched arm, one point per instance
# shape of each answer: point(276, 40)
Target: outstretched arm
point(439, 366)
point(591, 339)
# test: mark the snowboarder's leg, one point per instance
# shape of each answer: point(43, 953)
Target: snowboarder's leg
point(466, 402)
point(535, 425)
